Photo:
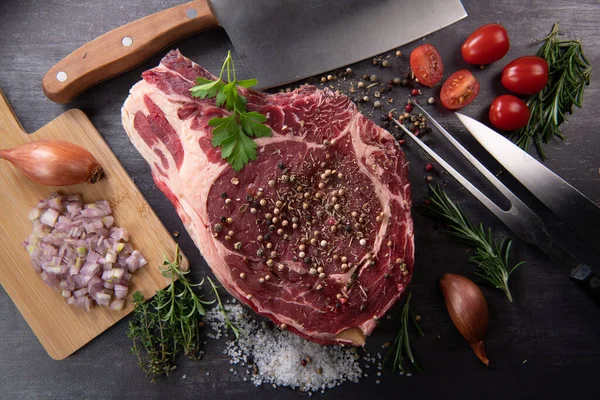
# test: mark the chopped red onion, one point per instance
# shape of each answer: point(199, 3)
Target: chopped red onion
point(49, 217)
point(117, 305)
point(79, 251)
point(103, 298)
point(121, 291)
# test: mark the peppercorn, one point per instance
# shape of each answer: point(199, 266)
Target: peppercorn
point(429, 167)
point(431, 100)
point(415, 92)
point(373, 78)
point(385, 64)
point(377, 104)
point(408, 108)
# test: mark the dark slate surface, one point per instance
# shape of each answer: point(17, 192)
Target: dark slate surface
point(544, 345)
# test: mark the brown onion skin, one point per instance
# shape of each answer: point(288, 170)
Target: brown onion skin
point(468, 310)
point(54, 162)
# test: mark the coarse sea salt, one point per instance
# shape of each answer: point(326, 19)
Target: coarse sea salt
point(275, 357)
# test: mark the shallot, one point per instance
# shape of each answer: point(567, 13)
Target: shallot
point(468, 310)
point(54, 162)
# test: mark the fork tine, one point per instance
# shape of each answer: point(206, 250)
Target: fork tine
point(480, 167)
point(461, 179)
point(519, 218)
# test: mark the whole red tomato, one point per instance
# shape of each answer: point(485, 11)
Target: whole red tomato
point(486, 45)
point(426, 64)
point(460, 89)
point(509, 113)
point(525, 75)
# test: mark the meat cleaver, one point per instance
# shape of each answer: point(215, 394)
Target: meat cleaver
point(278, 41)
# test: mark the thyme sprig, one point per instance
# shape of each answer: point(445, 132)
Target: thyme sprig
point(228, 323)
point(232, 134)
point(168, 324)
point(490, 255)
point(401, 345)
point(568, 74)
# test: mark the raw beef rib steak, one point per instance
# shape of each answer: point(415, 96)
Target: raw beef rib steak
point(316, 234)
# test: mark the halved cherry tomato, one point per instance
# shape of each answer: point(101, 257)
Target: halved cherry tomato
point(486, 45)
point(460, 89)
point(525, 75)
point(426, 64)
point(509, 113)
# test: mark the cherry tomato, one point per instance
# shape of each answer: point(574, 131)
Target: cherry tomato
point(486, 45)
point(426, 64)
point(509, 113)
point(460, 89)
point(525, 75)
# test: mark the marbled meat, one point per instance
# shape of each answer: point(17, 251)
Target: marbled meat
point(316, 234)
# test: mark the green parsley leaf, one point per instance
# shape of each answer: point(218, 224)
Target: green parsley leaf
point(206, 89)
point(247, 83)
point(239, 149)
point(233, 134)
point(252, 124)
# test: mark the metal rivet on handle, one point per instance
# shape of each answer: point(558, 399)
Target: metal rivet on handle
point(61, 76)
point(191, 13)
point(127, 41)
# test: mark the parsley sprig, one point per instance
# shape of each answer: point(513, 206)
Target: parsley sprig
point(490, 256)
point(233, 134)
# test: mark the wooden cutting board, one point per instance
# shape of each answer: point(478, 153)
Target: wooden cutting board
point(60, 328)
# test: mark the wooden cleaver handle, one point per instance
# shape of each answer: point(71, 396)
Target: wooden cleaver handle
point(123, 48)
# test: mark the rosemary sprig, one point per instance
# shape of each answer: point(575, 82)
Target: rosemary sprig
point(230, 324)
point(568, 74)
point(233, 133)
point(401, 344)
point(490, 256)
point(168, 324)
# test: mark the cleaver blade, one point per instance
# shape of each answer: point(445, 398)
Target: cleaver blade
point(282, 41)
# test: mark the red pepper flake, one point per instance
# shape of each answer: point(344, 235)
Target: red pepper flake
point(303, 362)
point(401, 141)
point(331, 221)
point(426, 202)
point(343, 300)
